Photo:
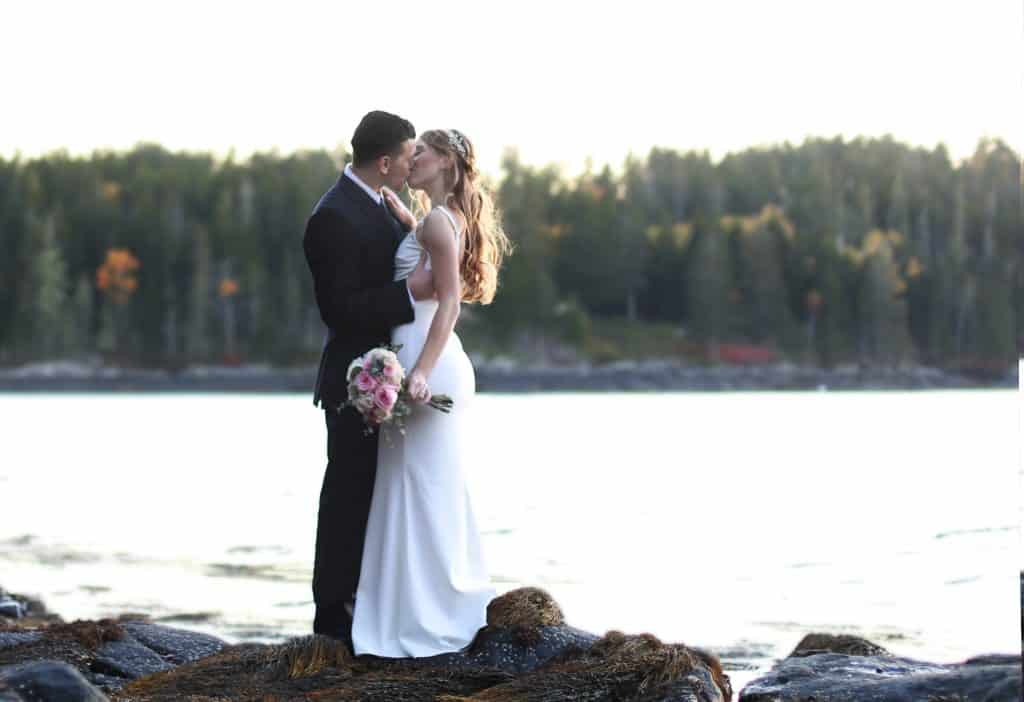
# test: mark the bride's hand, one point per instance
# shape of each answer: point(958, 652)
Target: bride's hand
point(416, 384)
point(399, 209)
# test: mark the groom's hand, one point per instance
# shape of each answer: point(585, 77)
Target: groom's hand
point(421, 283)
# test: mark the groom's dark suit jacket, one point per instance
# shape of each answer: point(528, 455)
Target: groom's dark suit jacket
point(350, 244)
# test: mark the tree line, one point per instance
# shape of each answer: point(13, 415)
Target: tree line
point(831, 251)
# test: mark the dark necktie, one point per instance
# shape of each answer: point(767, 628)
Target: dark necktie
point(396, 226)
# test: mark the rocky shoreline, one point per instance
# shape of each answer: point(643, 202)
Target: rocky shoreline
point(525, 653)
point(506, 376)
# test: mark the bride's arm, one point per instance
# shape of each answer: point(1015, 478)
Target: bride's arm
point(438, 238)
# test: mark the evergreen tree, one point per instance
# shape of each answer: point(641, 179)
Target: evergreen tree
point(198, 339)
point(50, 312)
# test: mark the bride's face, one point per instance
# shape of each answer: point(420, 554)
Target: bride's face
point(428, 164)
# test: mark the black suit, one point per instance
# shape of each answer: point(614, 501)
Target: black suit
point(350, 244)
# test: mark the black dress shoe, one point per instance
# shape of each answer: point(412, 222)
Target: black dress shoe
point(345, 628)
point(349, 645)
point(342, 635)
point(336, 623)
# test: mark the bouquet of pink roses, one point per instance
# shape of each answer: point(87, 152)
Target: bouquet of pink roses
point(377, 390)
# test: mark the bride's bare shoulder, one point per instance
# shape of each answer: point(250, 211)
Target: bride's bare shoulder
point(436, 230)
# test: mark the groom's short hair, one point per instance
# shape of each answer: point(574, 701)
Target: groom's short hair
point(379, 134)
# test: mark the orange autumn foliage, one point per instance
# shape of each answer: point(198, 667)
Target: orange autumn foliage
point(116, 277)
point(228, 287)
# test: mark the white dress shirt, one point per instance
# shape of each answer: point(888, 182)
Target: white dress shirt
point(378, 198)
point(375, 194)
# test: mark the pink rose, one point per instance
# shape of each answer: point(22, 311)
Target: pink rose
point(365, 382)
point(385, 396)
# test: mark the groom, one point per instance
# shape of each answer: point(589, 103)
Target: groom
point(350, 244)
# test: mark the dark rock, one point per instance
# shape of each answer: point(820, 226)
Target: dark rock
point(49, 681)
point(102, 651)
point(507, 648)
point(108, 653)
point(525, 628)
point(831, 643)
point(698, 685)
point(106, 683)
point(9, 695)
point(175, 645)
point(504, 649)
point(16, 638)
point(525, 652)
point(619, 667)
point(994, 659)
point(127, 659)
point(11, 609)
point(14, 606)
point(840, 677)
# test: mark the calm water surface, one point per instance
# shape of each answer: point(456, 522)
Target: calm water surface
point(734, 521)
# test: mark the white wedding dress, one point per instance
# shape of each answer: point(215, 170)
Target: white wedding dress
point(423, 584)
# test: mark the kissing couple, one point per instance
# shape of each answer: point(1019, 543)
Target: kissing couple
point(399, 570)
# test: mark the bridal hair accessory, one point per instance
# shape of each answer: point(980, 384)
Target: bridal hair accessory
point(457, 142)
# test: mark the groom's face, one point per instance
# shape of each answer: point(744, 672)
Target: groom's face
point(398, 166)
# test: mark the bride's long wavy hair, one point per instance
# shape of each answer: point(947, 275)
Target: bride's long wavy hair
point(486, 244)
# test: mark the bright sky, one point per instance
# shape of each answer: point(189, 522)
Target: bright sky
point(559, 80)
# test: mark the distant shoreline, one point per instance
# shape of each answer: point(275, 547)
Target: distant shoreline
point(624, 376)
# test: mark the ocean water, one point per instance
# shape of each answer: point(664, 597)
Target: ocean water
point(738, 522)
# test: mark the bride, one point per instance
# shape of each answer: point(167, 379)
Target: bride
point(424, 586)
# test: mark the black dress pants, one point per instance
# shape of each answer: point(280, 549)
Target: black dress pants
point(341, 520)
